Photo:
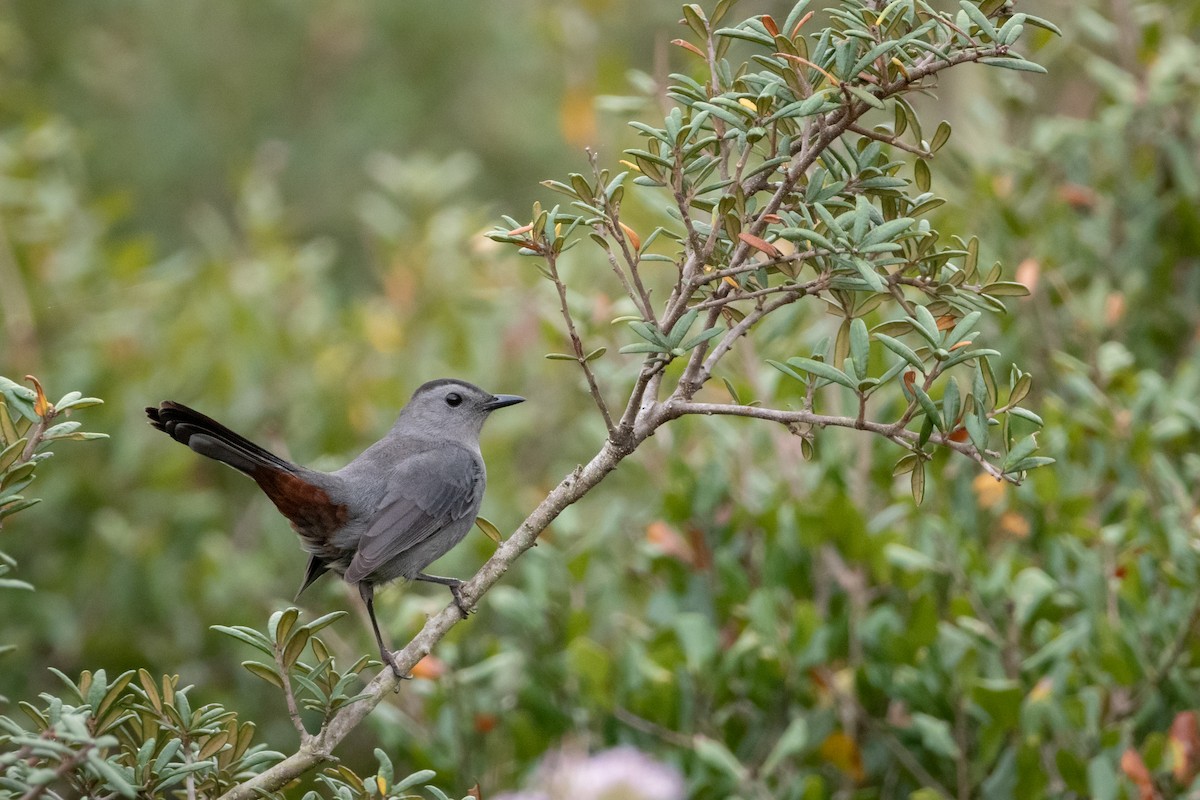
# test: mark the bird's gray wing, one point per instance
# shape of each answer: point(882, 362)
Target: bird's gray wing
point(425, 493)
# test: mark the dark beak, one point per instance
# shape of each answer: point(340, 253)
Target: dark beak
point(502, 400)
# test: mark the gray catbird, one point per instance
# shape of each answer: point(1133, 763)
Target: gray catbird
point(389, 513)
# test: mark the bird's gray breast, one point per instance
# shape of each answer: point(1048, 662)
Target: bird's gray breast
point(413, 510)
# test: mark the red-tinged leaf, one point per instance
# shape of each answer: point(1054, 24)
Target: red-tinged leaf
point(686, 45)
point(769, 23)
point(760, 244)
point(475, 792)
point(960, 345)
point(631, 234)
point(910, 379)
point(773, 218)
point(1184, 746)
point(520, 230)
point(946, 322)
point(800, 24)
point(959, 435)
point(1135, 769)
point(807, 63)
point(429, 668)
point(485, 723)
point(669, 542)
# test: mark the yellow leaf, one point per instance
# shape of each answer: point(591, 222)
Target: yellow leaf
point(842, 752)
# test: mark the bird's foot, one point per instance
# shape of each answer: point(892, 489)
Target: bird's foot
point(456, 590)
point(390, 660)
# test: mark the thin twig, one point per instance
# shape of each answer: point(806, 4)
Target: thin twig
point(888, 430)
point(289, 697)
point(577, 345)
point(894, 141)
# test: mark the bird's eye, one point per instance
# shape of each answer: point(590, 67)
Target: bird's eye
point(453, 399)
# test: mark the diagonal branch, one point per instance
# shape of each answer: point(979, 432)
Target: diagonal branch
point(318, 748)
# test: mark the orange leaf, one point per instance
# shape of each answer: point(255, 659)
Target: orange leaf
point(807, 63)
point(910, 379)
point(946, 322)
point(961, 345)
point(769, 23)
point(842, 752)
point(475, 792)
point(485, 723)
point(959, 435)
point(520, 230)
point(1078, 196)
point(760, 244)
point(1135, 769)
point(1028, 272)
point(988, 490)
point(669, 542)
point(800, 24)
point(429, 667)
point(686, 45)
point(772, 218)
point(1184, 744)
point(41, 406)
point(1013, 524)
point(634, 239)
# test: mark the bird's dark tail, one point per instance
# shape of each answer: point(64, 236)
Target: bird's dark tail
point(210, 438)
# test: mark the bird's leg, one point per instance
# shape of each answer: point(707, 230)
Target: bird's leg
point(455, 586)
point(367, 592)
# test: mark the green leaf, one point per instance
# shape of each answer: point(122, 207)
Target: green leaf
point(13, 583)
point(283, 625)
point(1019, 64)
point(1020, 450)
point(901, 349)
point(940, 136)
point(935, 735)
point(325, 621)
point(921, 175)
point(1026, 414)
point(868, 273)
point(794, 740)
point(821, 370)
point(917, 483)
point(1005, 289)
point(261, 670)
point(805, 235)
point(929, 407)
point(112, 775)
point(701, 337)
point(983, 23)
point(717, 755)
point(908, 559)
point(1030, 589)
point(888, 231)
point(950, 403)
point(413, 780)
point(489, 530)
point(864, 95)
point(860, 342)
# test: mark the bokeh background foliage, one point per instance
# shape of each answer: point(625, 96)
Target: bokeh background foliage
point(272, 212)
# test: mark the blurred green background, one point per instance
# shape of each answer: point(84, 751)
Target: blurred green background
point(272, 212)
